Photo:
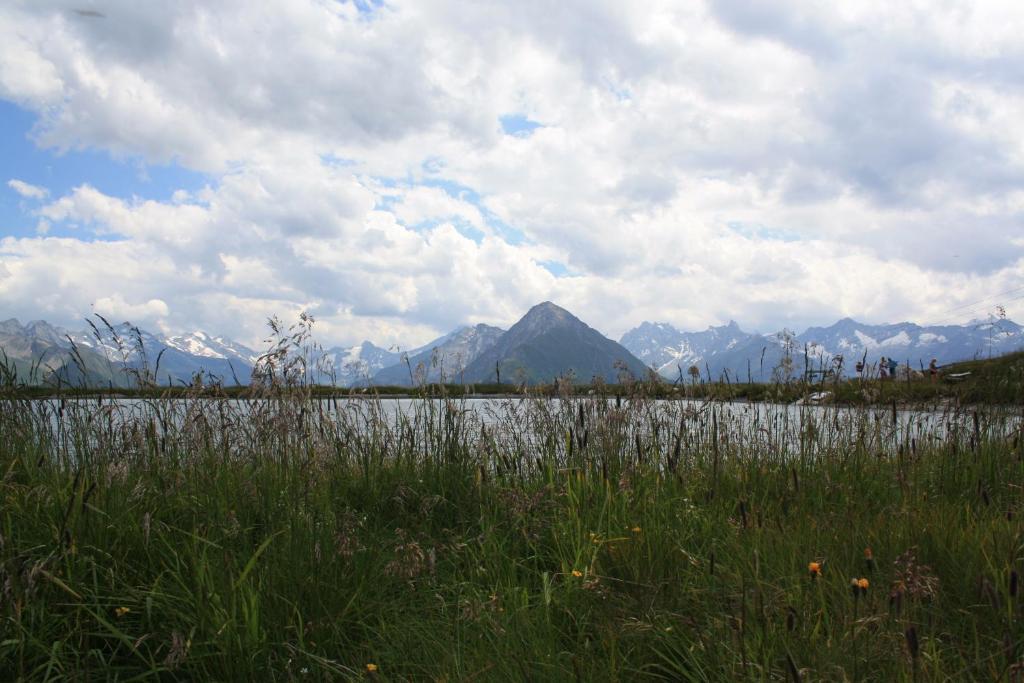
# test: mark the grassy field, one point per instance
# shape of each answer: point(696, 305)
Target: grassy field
point(594, 538)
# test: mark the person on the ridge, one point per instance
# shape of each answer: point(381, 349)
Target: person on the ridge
point(933, 370)
point(883, 368)
point(892, 368)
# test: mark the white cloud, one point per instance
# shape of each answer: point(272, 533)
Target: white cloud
point(776, 163)
point(115, 307)
point(26, 190)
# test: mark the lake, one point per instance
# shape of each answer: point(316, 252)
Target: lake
point(512, 426)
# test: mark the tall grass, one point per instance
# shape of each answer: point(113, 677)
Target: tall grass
point(287, 537)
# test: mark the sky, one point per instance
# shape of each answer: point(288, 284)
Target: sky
point(398, 169)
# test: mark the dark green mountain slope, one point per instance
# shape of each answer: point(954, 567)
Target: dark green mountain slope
point(549, 342)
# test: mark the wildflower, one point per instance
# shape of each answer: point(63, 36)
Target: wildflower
point(814, 569)
point(636, 530)
point(859, 587)
point(371, 668)
point(577, 573)
point(863, 584)
point(121, 611)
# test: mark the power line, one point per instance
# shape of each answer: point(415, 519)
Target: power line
point(991, 296)
point(945, 317)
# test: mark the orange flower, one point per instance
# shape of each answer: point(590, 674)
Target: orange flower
point(577, 573)
point(121, 611)
point(863, 584)
point(814, 569)
point(371, 668)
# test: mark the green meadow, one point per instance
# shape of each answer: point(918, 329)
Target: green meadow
point(605, 537)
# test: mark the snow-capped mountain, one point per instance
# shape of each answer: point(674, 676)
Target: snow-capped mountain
point(669, 351)
point(201, 344)
point(443, 359)
point(911, 343)
point(728, 349)
point(33, 352)
point(40, 353)
point(171, 360)
point(122, 342)
point(116, 355)
point(353, 365)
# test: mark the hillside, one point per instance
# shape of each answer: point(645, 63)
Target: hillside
point(547, 343)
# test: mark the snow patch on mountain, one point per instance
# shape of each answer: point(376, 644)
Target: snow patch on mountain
point(865, 341)
point(901, 338)
point(729, 350)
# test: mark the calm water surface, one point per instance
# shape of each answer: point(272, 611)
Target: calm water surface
point(521, 424)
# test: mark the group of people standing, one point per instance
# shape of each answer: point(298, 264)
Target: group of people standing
point(887, 368)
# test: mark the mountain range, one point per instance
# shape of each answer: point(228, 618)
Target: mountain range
point(442, 360)
point(729, 352)
point(548, 342)
point(117, 355)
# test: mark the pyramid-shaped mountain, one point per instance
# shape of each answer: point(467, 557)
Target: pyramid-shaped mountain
point(550, 342)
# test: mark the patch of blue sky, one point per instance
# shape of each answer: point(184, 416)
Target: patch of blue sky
point(433, 165)
point(467, 194)
point(387, 202)
point(368, 6)
point(556, 268)
point(463, 227)
point(367, 9)
point(510, 235)
point(59, 173)
point(763, 232)
point(518, 125)
point(621, 92)
point(458, 191)
point(334, 161)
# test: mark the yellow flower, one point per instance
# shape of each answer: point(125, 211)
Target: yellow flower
point(371, 668)
point(577, 573)
point(814, 569)
point(636, 530)
point(863, 584)
point(121, 611)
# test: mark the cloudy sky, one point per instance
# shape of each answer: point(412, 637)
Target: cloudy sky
point(400, 168)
